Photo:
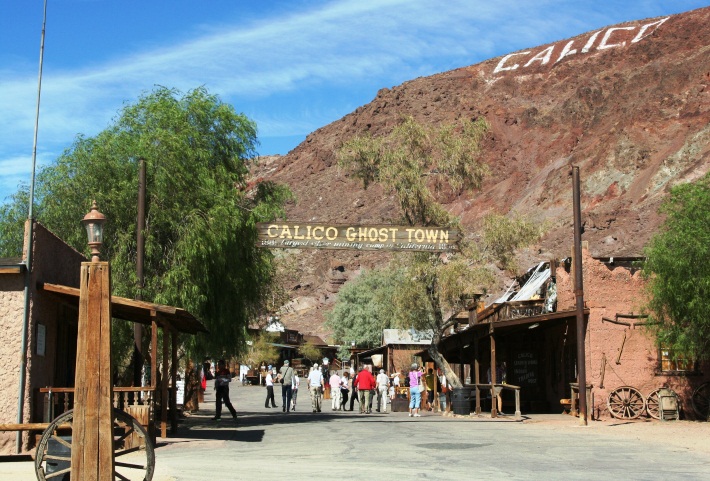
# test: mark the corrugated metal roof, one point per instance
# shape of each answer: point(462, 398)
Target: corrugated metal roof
point(406, 336)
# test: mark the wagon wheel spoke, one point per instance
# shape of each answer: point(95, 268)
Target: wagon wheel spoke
point(123, 452)
point(58, 473)
point(130, 465)
point(120, 476)
point(61, 441)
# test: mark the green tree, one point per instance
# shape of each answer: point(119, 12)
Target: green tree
point(261, 349)
point(363, 309)
point(416, 163)
point(678, 272)
point(200, 238)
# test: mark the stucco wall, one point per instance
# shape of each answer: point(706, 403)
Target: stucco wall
point(608, 291)
point(11, 306)
point(55, 262)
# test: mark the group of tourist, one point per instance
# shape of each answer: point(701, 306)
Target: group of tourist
point(363, 387)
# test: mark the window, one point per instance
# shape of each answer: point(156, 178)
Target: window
point(671, 363)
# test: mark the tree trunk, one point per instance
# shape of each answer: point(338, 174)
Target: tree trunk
point(451, 376)
point(439, 327)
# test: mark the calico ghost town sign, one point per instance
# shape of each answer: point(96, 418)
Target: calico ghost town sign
point(357, 237)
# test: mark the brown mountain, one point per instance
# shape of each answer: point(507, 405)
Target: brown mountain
point(628, 104)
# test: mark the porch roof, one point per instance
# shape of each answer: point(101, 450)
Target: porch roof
point(133, 310)
point(452, 343)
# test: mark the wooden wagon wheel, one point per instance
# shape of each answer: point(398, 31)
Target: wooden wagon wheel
point(701, 401)
point(626, 402)
point(653, 403)
point(53, 458)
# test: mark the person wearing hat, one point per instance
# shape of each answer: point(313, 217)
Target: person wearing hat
point(383, 384)
point(286, 379)
point(415, 390)
point(270, 388)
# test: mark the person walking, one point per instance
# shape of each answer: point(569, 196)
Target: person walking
point(270, 389)
point(415, 390)
point(365, 384)
point(344, 382)
point(294, 390)
point(383, 384)
point(221, 384)
point(353, 391)
point(316, 385)
point(335, 383)
point(286, 379)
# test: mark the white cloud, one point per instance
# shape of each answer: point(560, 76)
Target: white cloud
point(336, 45)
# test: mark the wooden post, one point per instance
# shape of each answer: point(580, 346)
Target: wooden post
point(92, 432)
point(477, 374)
point(494, 405)
point(173, 376)
point(164, 387)
point(153, 352)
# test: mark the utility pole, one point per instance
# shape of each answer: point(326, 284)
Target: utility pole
point(579, 295)
point(140, 252)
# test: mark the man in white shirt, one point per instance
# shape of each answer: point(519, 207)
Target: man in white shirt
point(315, 385)
point(383, 384)
point(335, 398)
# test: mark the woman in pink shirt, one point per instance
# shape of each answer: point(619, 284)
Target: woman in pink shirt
point(415, 393)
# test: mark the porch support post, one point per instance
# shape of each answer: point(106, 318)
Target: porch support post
point(164, 386)
point(173, 376)
point(153, 352)
point(477, 373)
point(92, 446)
point(494, 406)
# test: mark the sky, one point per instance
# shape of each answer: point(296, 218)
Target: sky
point(292, 66)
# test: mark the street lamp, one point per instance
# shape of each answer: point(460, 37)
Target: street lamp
point(94, 223)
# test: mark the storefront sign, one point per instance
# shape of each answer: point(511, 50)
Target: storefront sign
point(357, 237)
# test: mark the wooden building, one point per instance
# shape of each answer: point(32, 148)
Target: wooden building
point(51, 335)
point(532, 329)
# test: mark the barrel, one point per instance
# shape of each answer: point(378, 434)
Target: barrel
point(461, 400)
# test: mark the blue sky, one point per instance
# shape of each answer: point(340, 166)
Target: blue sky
point(292, 66)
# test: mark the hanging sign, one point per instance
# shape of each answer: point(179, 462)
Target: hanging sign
point(299, 235)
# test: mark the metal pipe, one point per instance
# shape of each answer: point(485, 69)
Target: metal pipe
point(579, 295)
point(30, 247)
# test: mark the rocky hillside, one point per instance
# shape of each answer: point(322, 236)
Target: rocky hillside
point(629, 104)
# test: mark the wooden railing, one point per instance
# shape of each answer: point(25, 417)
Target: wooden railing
point(489, 387)
point(58, 400)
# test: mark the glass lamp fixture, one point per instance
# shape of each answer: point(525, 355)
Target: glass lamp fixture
point(94, 223)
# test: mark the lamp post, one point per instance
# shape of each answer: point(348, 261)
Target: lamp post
point(92, 436)
point(94, 224)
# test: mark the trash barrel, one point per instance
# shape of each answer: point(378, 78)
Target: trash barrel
point(461, 400)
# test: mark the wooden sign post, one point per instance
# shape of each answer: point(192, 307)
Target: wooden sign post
point(92, 430)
